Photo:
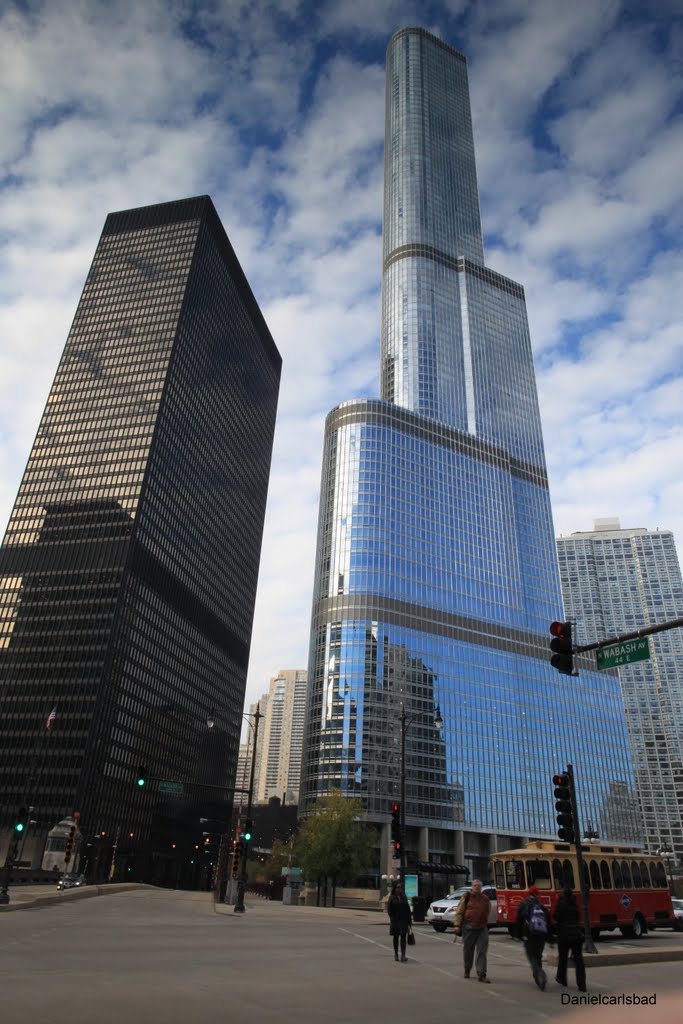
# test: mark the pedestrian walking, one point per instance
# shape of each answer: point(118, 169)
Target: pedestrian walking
point(471, 921)
point(534, 929)
point(570, 937)
point(400, 919)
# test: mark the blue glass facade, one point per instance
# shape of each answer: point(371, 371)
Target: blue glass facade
point(436, 570)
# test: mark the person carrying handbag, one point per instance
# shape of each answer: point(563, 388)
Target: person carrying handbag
point(471, 921)
point(400, 919)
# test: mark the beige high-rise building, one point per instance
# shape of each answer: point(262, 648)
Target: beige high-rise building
point(279, 759)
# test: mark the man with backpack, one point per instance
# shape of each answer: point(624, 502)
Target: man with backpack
point(471, 921)
point(533, 928)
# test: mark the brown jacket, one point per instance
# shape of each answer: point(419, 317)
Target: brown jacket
point(473, 910)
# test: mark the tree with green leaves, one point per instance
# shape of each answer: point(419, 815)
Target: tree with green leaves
point(333, 843)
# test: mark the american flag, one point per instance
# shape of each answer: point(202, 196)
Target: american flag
point(50, 718)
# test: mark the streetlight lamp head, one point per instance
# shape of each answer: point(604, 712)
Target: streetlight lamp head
point(210, 721)
point(438, 720)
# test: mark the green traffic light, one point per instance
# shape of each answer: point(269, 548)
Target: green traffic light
point(247, 836)
point(19, 827)
point(141, 782)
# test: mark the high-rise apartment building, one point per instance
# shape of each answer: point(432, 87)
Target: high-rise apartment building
point(128, 570)
point(617, 581)
point(283, 735)
point(436, 570)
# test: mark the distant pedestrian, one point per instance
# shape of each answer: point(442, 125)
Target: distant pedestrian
point(471, 921)
point(533, 927)
point(570, 936)
point(400, 919)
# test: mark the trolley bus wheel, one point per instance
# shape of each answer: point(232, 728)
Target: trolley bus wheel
point(512, 931)
point(595, 934)
point(636, 930)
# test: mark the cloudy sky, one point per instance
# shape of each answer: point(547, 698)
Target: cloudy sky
point(277, 111)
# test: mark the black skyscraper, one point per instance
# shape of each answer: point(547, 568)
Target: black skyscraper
point(128, 571)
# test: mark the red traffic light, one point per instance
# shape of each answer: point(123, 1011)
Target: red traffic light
point(394, 808)
point(560, 780)
point(562, 629)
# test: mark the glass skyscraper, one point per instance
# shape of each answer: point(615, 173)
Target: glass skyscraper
point(436, 570)
point(128, 570)
point(617, 581)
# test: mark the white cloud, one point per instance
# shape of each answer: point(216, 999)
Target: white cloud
point(278, 112)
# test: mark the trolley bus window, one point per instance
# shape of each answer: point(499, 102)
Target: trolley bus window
point(637, 880)
point(604, 872)
point(644, 874)
point(596, 881)
point(616, 871)
point(659, 875)
point(538, 873)
point(499, 874)
point(586, 876)
point(514, 874)
point(557, 874)
point(568, 873)
point(626, 875)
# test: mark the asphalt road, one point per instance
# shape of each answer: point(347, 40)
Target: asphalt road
point(168, 957)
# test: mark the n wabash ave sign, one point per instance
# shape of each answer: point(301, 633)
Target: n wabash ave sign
point(624, 653)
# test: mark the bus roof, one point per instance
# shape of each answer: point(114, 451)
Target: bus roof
point(541, 846)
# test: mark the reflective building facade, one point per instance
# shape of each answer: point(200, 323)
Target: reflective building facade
point(128, 569)
point(617, 581)
point(436, 569)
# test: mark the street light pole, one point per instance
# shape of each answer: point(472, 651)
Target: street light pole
point(402, 851)
point(405, 725)
point(666, 855)
point(239, 907)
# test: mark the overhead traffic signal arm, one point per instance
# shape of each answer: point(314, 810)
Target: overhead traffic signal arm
point(561, 645)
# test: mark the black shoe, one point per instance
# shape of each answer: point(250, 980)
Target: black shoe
point(404, 959)
point(467, 974)
point(396, 956)
point(560, 982)
point(486, 981)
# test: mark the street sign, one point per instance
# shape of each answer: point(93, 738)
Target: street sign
point(175, 788)
point(623, 654)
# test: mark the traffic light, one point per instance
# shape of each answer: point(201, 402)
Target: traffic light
point(141, 777)
point(248, 826)
point(563, 806)
point(236, 857)
point(561, 646)
point(70, 840)
point(21, 819)
point(396, 836)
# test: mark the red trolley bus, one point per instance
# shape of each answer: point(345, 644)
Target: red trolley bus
point(626, 889)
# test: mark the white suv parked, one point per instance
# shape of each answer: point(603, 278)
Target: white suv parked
point(441, 913)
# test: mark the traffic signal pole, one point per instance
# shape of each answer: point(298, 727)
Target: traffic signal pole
point(239, 907)
point(588, 944)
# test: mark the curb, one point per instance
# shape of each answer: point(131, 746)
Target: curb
point(645, 956)
point(87, 892)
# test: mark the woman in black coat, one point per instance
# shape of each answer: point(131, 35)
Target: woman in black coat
point(569, 937)
point(400, 919)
